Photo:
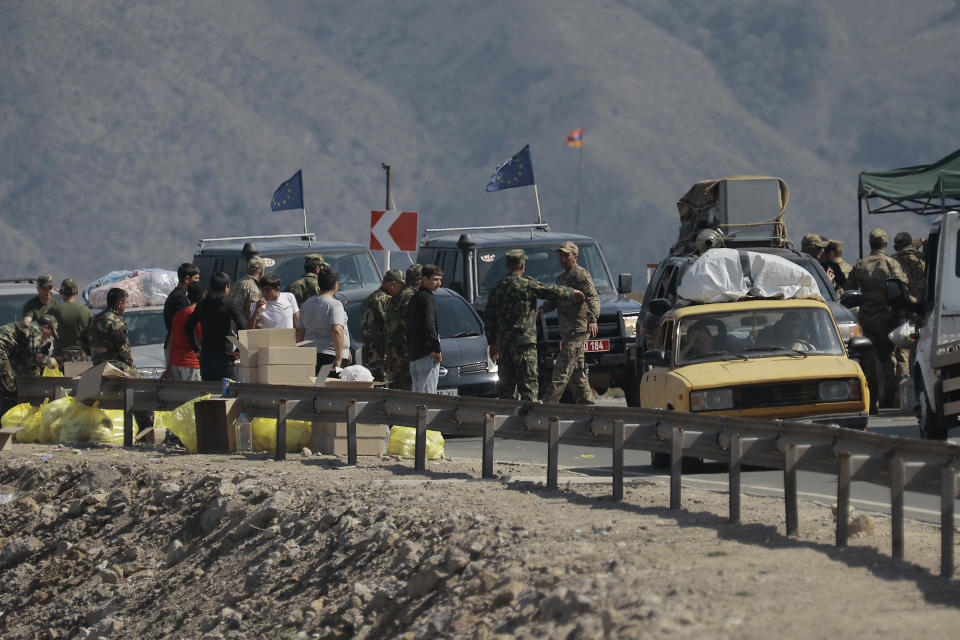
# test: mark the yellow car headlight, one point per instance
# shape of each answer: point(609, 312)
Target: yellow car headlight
point(711, 400)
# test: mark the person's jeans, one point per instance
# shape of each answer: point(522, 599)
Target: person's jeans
point(425, 372)
point(185, 373)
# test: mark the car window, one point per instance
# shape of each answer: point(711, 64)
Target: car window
point(145, 327)
point(12, 306)
point(456, 319)
point(354, 311)
point(757, 333)
point(355, 268)
point(542, 265)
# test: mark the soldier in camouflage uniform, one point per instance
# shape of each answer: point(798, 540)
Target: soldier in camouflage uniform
point(22, 351)
point(397, 363)
point(511, 326)
point(247, 290)
point(813, 244)
point(106, 337)
point(833, 265)
point(40, 304)
point(374, 328)
point(914, 268)
point(578, 323)
point(305, 287)
point(870, 275)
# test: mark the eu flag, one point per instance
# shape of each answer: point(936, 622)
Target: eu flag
point(515, 172)
point(289, 195)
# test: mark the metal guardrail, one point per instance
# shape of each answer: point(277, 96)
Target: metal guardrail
point(902, 464)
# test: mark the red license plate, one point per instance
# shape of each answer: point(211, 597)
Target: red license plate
point(597, 345)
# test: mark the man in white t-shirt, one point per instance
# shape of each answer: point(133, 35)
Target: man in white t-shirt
point(275, 309)
point(325, 323)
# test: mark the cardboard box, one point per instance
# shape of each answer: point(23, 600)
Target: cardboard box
point(216, 420)
point(252, 340)
point(333, 446)
point(74, 369)
point(286, 374)
point(334, 383)
point(267, 356)
point(339, 430)
point(88, 387)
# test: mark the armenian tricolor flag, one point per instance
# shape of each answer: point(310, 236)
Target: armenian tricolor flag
point(575, 138)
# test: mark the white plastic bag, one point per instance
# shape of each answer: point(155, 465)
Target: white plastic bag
point(904, 336)
point(717, 276)
point(356, 373)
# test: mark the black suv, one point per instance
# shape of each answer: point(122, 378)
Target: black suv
point(283, 255)
point(473, 260)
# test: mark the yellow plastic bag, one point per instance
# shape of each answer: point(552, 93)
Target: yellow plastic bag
point(182, 422)
point(87, 424)
point(403, 443)
point(52, 372)
point(265, 434)
point(31, 426)
point(50, 414)
point(24, 415)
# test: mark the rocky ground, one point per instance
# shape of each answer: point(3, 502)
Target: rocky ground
point(152, 543)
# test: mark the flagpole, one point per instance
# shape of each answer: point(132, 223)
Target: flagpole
point(537, 196)
point(304, 206)
point(576, 210)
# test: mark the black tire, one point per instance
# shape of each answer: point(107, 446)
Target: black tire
point(931, 422)
point(631, 391)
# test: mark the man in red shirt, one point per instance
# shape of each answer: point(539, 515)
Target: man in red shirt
point(182, 360)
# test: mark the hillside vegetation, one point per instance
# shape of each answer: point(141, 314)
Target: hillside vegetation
point(132, 129)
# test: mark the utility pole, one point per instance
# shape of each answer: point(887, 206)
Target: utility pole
point(386, 207)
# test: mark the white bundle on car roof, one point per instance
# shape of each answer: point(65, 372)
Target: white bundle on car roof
point(145, 287)
point(727, 275)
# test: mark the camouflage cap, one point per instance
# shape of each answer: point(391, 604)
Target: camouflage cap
point(49, 321)
point(813, 240)
point(69, 287)
point(569, 247)
point(414, 275)
point(516, 257)
point(836, 246)
point(393, 275)
point(878, 235)
point(45, 281)
point(312, 261)
point(901, 240)
point(255, 264)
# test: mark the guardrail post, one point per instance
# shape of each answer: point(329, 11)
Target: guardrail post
point(896, 505)
point(553, 452)
point(676, 465)
point(790, 487)
point(351, 432)
point(618, 460)
point(843, 499)
point(736, 453)
point(489, 422)
point(420, 448)
point(948, 493)
point(281, 452)
point(128, 417)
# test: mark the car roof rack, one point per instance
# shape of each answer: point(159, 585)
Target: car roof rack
point(306, 237)
point(541, 226)
point(26, 280)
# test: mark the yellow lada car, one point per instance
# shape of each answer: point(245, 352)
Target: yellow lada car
point(757, 358)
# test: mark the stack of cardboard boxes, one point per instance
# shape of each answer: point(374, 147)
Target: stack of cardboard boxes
point(271, 356)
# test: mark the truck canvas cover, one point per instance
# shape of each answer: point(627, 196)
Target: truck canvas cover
point(747, 209)
point(728, 275)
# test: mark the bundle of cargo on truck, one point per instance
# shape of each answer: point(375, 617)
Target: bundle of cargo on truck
point(144, 287)
point(740, 211)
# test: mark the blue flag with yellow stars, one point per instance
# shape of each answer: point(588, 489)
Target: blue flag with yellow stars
point(289, 195)
point(515, 172)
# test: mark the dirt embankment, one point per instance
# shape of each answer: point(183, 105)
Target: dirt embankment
point(110, 543)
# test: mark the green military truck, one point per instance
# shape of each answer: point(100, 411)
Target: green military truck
point(473, 260)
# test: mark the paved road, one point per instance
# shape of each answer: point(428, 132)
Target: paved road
point(597, 462)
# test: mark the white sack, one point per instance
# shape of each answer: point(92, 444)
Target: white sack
point(717, 276)
point(356, 373)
